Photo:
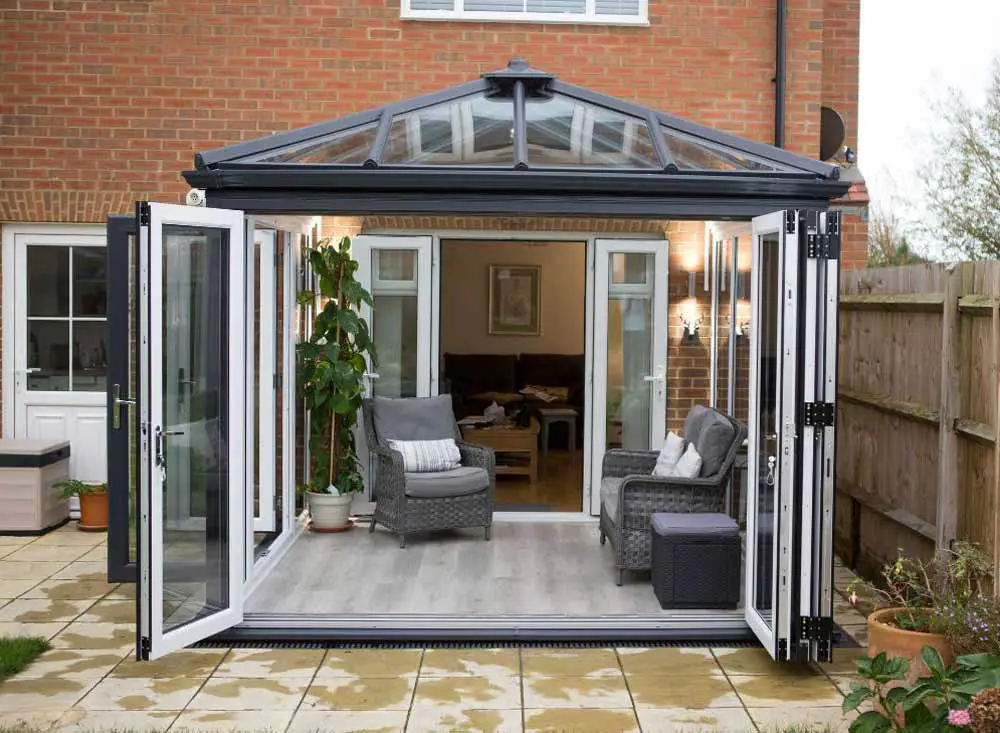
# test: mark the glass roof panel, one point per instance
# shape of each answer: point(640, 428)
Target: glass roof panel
point(690, 153)
point(471, 130)
point(563, 131)
point(347, 147)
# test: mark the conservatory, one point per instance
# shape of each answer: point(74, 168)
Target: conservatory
point(594, 269)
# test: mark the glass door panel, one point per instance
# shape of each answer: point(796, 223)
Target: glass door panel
point(194, 435)
point(630, 349)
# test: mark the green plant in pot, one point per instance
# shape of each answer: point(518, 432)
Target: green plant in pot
point(332, 366)
point(93, 503)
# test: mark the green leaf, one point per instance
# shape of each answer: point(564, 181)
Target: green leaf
point(859, 694)
point(871, 722)
point(932, 658)
point(978, 661)
point(349, 321)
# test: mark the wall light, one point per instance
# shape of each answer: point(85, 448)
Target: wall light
point(692, 284)
point(690, 323)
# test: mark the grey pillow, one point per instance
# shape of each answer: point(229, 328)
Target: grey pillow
point(714, 440)
point(693, 423)
point(414, 418)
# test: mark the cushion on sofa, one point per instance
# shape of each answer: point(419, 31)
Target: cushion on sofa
point(693, 423)
point(611, 486)
point(554, 370)
point(424, 418)
point(715, 438)
point(457, 482)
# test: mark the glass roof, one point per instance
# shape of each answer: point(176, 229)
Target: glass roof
point(516, 118)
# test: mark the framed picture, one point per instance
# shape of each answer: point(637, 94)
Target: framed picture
point(515, 300)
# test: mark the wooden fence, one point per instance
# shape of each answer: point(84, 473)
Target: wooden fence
point(917, 458)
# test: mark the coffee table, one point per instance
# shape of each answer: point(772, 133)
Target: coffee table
point(509, 440)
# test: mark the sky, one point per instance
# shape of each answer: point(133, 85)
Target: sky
point(912, 53)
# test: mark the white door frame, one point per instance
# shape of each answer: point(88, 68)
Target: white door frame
point(151, 575)
point(14, 303)
point(603, 289)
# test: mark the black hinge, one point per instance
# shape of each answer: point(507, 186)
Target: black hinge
point(819, 414)
point(815, 628)
point(144, 648)
point(791, 220)
point(143, 213)
point(833, 222)
point(823, 246)
point(782, 649)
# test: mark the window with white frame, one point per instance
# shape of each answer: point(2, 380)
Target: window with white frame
point(616, 12)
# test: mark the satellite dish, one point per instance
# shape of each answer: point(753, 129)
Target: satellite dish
point(831, 133)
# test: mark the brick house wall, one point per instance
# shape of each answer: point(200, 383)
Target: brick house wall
point(106, 101)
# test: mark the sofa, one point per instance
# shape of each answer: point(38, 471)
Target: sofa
point(477, 380)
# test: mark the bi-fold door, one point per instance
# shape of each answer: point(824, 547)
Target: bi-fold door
point(793, 339)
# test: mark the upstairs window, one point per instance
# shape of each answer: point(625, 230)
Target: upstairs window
point(609, 12)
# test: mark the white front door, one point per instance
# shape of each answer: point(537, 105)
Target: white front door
point(59, 346)
point(630, 350)
point(193, 391)
point(793, 346)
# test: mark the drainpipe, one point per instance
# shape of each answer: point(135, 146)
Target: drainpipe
point(779, 77)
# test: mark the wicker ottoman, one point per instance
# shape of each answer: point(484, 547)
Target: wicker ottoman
point(697, 560)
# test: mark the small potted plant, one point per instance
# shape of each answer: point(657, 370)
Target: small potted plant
point(332, 366)
point(917, 602)
point(93, 503)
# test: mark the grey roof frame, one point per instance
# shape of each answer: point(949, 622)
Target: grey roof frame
point(237, 177)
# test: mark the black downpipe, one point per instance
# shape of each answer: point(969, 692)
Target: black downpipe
point(779, 77)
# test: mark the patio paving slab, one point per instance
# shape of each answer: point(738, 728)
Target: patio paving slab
point(473, 662)
point(80, 635)
point(88, 721)
point(570, 663)
point(143, 694)
point(343, 721)
point(187, 662)
point(12, 588)
point(698, 692)
point(43, 694)
point(758, 691)
point(556, 720)
point(500, 692)
point(274, 721)
point(250, 693)
point(822, 719)
point(682, 720)
point(360, 694)
point(84, 588)
point(35, 570)
point(429, 720)
point(285, 663)
point(15, 628)
point(366, 663)
point(111, 612)
point(42, 610)
point(72, 664)
point(47, 553)
point(70, 536)
point(576, 692)
point(667, 661)
point(92, 570)
point(38, 719)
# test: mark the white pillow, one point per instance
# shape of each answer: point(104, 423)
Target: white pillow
point(689, 466)
point(424, 456)
point(670, 453)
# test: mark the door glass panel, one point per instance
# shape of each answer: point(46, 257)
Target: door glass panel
point(630, 339)
point(89, 357)
point(48, 281)
point(48, 355)
point(132, 390)
point(89, 288)
point(767, 420)
point(280, 334)
point(195, 424)
point(394, 322)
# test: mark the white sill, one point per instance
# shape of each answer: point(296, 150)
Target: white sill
point(451, 16)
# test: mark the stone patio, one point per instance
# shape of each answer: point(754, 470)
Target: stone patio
point(54, 586)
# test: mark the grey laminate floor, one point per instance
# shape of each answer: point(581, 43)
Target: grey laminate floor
point(527, 568)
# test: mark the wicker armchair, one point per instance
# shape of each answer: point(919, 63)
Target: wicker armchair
point(406, 503)
point(630, 493)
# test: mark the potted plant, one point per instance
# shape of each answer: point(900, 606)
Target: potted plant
point(332, 366)
point(917, 603)
point(93, 503)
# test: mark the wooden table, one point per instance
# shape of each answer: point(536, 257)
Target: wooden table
point(509, 441)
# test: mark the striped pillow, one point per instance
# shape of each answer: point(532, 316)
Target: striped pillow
point(424, 456)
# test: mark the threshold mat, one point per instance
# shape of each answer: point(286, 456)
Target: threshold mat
point(499, 644)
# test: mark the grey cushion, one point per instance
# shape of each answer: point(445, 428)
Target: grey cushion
point(708, 523)
point(414, 418)
point(438, 484)
point(611, 486)
point(693, 423)
point(715, 438)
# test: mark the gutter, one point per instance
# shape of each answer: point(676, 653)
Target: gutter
point(779, 76)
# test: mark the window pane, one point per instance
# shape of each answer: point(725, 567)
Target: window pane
point(692, 154)
point(557, 6)
point(48, 280)
point(630, 339)
point(348, 147)
point(629, 268)
point(564, 131)
point(89, 282)
point(475, 130)
point(48, 354)
point(90, 367)
point(432, 4)
point(396, 264)
point(394, 331)
point(617, 7)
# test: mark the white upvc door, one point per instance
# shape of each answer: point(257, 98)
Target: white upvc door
point(629, 350)
point(397, 273)
point(58, 347)
point(192, 357)
point(793, 343)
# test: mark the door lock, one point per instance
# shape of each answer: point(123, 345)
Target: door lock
point(117, 401)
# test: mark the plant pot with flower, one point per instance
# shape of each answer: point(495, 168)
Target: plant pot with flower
point(93, 503)
point(332, 366)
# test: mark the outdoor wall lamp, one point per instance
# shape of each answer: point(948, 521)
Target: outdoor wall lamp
point(691, 324)
point(742, 330)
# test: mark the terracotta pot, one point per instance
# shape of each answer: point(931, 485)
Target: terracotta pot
point(93, 511)
point(885, 636)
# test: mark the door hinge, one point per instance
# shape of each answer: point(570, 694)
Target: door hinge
point(782, 649)
point(791, 220)
point(143, 213)
point(815, 628)
point(823, 235)
point(819, 414)
point(144, 648)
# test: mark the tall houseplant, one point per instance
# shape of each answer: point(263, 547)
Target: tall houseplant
point(332, 365)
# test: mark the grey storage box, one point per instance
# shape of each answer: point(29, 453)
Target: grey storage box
point(29, 471)
point(696, 560)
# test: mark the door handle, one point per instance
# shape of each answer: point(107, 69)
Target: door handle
point(117, 401)
point(660, 378)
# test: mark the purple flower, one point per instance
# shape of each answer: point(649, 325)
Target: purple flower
point(959, 717)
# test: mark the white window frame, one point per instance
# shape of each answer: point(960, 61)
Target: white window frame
point(590, 16)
